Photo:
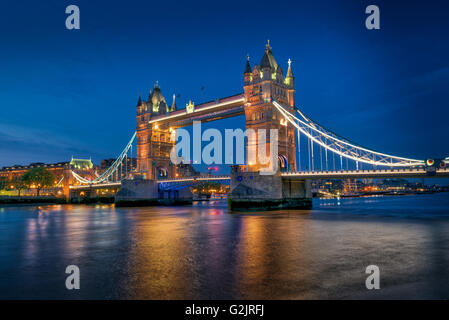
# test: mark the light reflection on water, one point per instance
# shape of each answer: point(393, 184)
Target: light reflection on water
point(202, 251)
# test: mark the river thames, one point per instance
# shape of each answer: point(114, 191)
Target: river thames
point(204, 252)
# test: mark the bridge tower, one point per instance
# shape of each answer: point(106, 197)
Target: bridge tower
point(262, 83)
point(153, 141)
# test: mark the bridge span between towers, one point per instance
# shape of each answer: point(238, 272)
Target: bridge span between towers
point(339, 174)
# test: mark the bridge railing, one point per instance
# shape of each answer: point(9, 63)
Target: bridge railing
point(419, 172)
point(198, 178)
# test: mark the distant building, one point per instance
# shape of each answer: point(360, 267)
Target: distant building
point(186, 170)
point(130, 162)
point(61, 171)
point(14, 173)
point(81, 164)
point(394, 184)
point(106, 163)
point(128, 166)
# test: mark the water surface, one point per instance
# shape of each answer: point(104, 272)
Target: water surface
point(205, 252)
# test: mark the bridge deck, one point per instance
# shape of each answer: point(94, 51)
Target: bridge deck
point(199, 178)
point(388, 173)
point(96, 186)
point(345, 174)
point(342, 174)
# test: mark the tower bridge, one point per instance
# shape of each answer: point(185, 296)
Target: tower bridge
point(268, 102)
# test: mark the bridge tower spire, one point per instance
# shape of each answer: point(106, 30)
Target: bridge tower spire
point(290, 82)
point(263, 83)
point(173, 106)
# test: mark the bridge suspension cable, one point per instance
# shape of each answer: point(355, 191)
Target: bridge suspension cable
point(342, 147)
point(80, 179)
point(112, 169)
point(60, 181)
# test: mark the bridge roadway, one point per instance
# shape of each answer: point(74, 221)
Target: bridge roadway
point(362, 174)
point(342, 174)
point(96, 186)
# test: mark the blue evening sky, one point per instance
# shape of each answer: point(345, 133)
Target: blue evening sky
point(73, 92)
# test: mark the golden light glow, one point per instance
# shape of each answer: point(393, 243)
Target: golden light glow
point(190, 107)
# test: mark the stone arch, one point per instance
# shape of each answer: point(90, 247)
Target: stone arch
point(162, 172)
point(282, 162)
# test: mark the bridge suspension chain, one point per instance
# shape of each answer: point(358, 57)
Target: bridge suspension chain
point(111, 170)
point(80, 179)
point(343, 147)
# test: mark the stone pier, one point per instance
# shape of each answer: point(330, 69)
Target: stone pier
point(251, 191)
point(137, 193)
point(142, 192)
point(176, 197)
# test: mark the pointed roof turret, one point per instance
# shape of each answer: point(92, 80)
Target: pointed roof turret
point(157, 97)
point(289, 79)
point(289, 71)
point(139, 102)
point(268, 60)
point(248, 66)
